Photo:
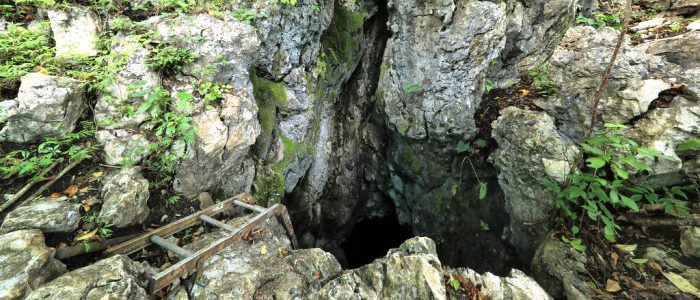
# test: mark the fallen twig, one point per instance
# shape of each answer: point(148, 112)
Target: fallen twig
point(693, 220)
point(92, 247)
point(39, 177)
point(47, 185)
point(606, 74)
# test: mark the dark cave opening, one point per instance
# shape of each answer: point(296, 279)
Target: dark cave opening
point(372, 238)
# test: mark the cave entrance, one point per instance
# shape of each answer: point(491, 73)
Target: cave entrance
point(372, 238)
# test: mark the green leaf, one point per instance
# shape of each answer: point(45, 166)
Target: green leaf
point(627, 201)
point(620, 172)
point(609, 233)
point(595, 162)
point(462, 147)
point(575, 230)
point(591, 149)
point(185, 96)
point(640, 261)
point(455, 284)
point(648, 152)
point(483, 189)
point(614, 197)
point(688, 145)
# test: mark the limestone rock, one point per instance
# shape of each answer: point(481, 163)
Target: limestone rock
point(25, 263)
point(576, 67)
point(116, 277)
point(221, 141)
point(290, 35)
point(411, 271)
point(561, 270)
point(75, 30)
point(435, 65)
point(47, 106)
point(516, 286)
point(680, 50)
point(664, 129)
point(121, 146)
point(684, 7)
point(125, 195)
point(6, 108)
point(47, 215)
point(224, 48)
point(690, 241)
point(111, 107)
point(529, 148)
point(659, 5)
point(265, 268)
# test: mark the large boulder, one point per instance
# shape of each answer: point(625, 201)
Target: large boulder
point(120, 146)
point(412, 271)
point(435, 64)
point(216, 161)
point(125, 195)
point(680, 50)
point(116, 277)
point(225, 48)
point(47, 106)
point(516, 286)
point(529, 149)
point(25, 263)
point(47, 215)
point(265, 267)
point(577, 66)
point(75, 30)
point(561, 270)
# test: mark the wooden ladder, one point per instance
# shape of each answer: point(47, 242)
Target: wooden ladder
point(194, 261)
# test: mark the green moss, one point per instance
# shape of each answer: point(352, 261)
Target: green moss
point(269, 185)
point(411, 160)
point(269, 96)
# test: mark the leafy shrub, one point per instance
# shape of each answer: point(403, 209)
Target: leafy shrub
point(22, 50)
point(607, 183)
point(169, 59)
point(541, 80)
point(25, 163)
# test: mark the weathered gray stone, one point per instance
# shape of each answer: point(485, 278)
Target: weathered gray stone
point(120, 146)
point(113, 278)
point(680, 50)
point(561, 270)
point(690, 241)
point(529, 148)
point(221, 142)
point(6, 109)
point(516, 286)
point(125, 195)
point(435, 65)
point(25, 263)
point(225, 48)
point(47, 215)
point(577, 66)
point(290, 34)
point(411, 271)
point(75, 30)
point(265, 268)
point(47, 106)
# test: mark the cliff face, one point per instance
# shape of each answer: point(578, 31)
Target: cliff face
point(442, 115)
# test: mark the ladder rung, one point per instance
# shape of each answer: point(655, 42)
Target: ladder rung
point(217, 223)
point(250, 206)
point(182, 253)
